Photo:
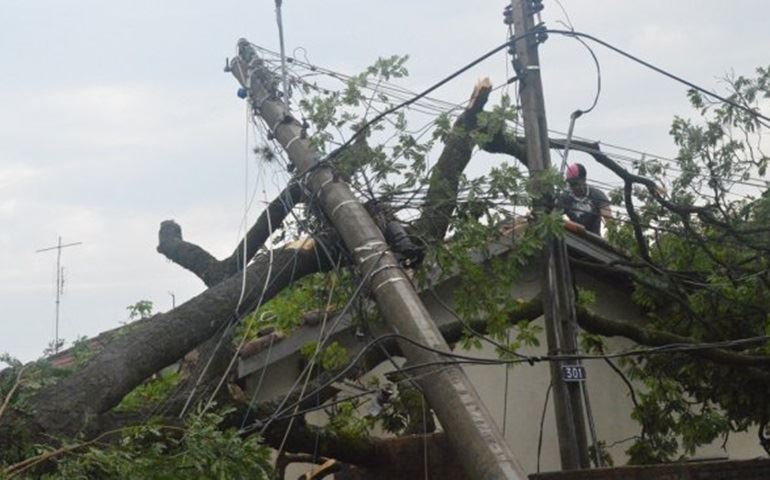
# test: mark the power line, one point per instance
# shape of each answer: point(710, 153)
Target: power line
point(430, 89)
point(320, 344)
point(573, 33)
point(413, 100)
point(448, 107)
point(460, 359)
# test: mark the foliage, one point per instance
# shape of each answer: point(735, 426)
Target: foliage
point(54, 346)
point(407, 412)
point(35, 376)
point(317, 293)
point(701, 258)
point(702, 249)
point(139, 310)
point(707, 275)
point(346, 422)
point(485, 290)
point(151, 392)
point(200, 449)
point(331, 357)
point(81, 350)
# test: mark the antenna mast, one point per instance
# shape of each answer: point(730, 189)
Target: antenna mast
point(59, 285)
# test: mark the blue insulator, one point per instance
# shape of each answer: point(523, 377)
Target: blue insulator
point(243, 93)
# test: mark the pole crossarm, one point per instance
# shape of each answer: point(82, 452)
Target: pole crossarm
point(475, 438)
point(57, 247)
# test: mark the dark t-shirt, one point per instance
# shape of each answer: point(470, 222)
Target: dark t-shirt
point(585, 210)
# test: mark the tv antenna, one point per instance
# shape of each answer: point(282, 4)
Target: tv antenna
point(59, 285)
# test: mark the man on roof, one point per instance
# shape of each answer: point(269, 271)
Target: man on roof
point(583, 204)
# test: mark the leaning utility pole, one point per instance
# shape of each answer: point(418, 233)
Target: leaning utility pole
point(475, 438)
point(59, 286)
point(558, 298)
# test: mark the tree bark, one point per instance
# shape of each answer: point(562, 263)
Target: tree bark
point(147, 346)
point(441, 199)
point(204, 265)
point(409, 457)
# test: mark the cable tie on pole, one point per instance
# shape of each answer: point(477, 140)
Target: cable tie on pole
point(317, 163)
point(383, 268)
point(323, 185)
point(366, 258)
point(385, 282)
point(368, 246)
point(290, 142)
point(277, 124)
point(342, 204)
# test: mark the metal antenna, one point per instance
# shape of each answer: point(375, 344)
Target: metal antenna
point(59, 285)
point(284, 74)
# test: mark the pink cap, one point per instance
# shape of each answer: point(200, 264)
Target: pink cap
point(575, 171)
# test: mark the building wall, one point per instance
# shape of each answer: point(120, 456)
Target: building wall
point(527, 385)
point(730, 470)
point(608, 395)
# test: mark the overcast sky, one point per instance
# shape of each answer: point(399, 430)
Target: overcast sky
point(116, 115)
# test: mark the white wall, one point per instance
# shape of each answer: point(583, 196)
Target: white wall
point(527, 385)
point(608, 395)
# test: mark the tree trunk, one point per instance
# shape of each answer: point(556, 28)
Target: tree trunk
point(147, 346)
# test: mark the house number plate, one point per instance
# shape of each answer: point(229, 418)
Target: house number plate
point(573, 373)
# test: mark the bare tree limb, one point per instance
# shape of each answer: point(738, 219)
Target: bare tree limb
point(204, 265)
point(12, 391)
point(650, 337)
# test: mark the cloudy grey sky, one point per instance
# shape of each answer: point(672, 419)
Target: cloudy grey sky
point(115, 116)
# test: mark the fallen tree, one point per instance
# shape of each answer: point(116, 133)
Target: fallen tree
point(698, 268)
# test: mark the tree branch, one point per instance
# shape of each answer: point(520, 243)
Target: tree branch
point(12, 390)
point(650, 337)
point(441, 197)
point(204, 265)
point(408, 457)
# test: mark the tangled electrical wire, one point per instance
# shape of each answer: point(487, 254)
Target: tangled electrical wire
point(459, 359)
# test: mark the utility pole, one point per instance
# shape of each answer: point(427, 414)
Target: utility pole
point(59, 286)
point(469, 427)
point(558, 297)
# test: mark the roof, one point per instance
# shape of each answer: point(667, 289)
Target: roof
point(582, 244)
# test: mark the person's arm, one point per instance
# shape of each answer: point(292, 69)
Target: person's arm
point(603, 204)
point(606, 213)
point(563, 204)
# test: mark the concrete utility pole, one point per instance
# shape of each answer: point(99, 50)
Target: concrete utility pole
point(59, 286)
point(558, 298)
point(474, 436)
